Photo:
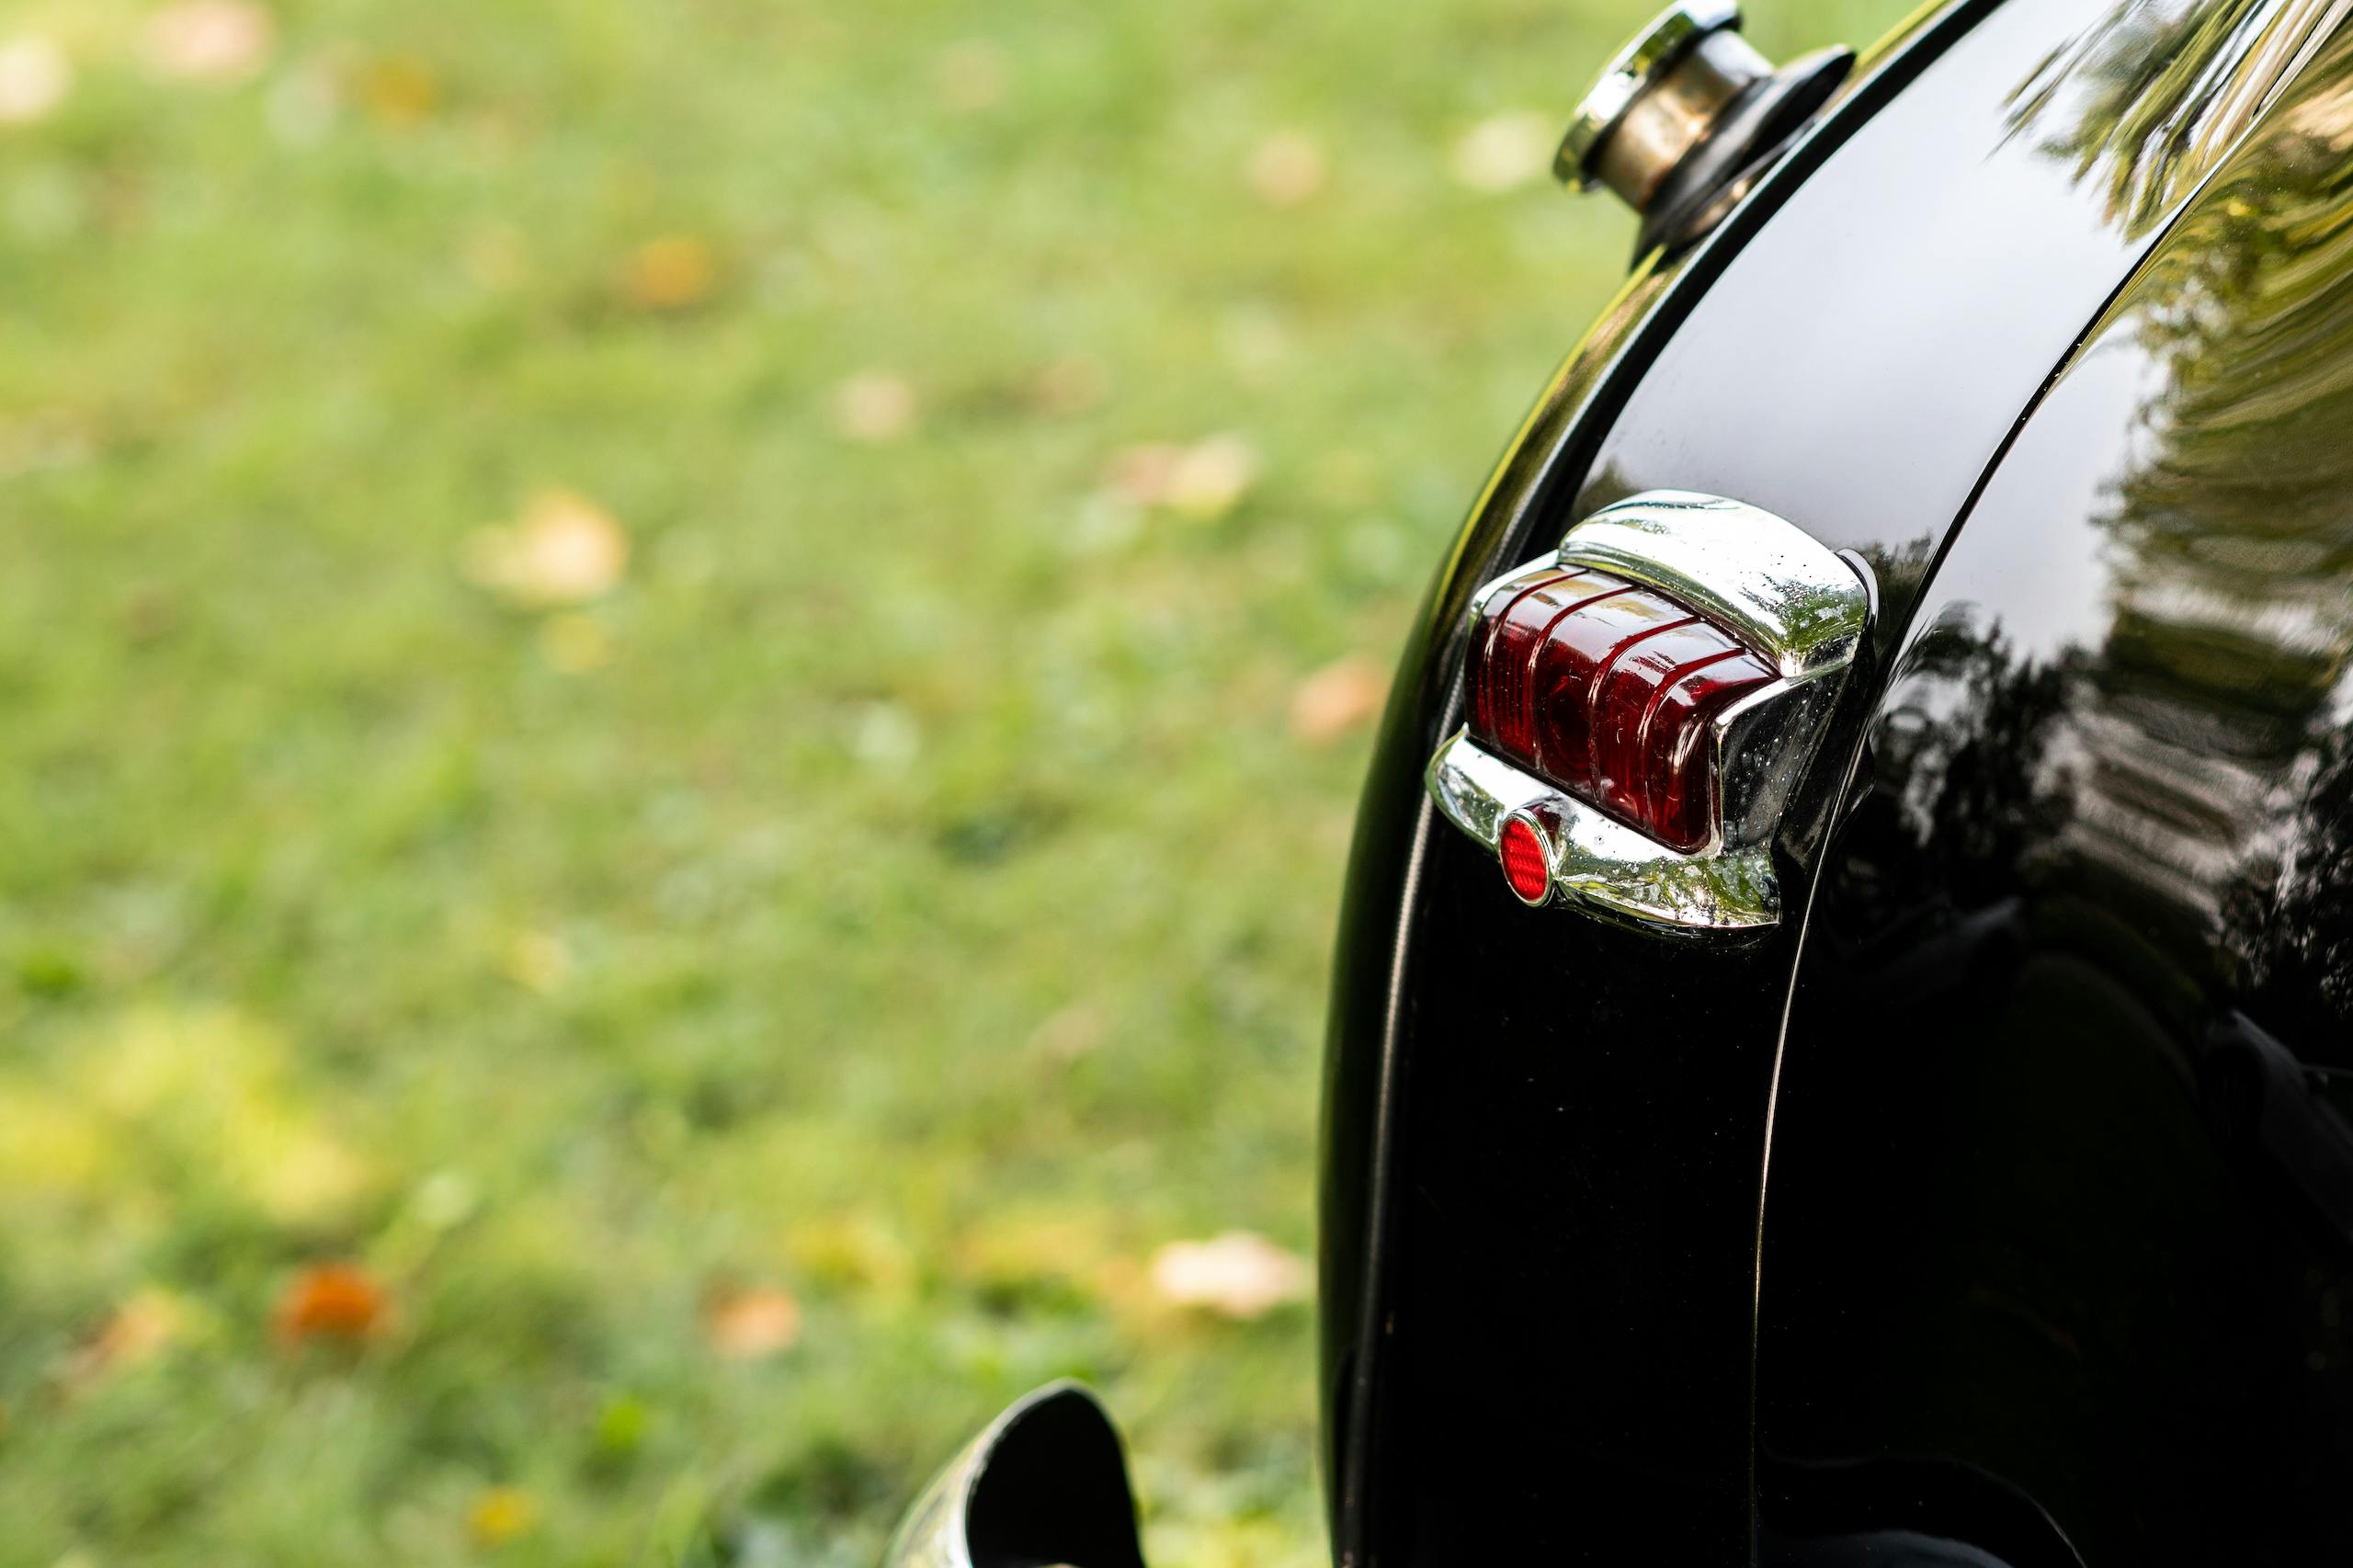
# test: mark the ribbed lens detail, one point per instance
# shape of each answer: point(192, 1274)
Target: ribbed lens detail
point(1609, 692)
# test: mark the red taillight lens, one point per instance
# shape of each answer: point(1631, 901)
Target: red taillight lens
point(1609, 690)
point(1525, 866)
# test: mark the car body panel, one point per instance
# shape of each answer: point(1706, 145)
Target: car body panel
point(1545, 1139)
point(2062, 1180)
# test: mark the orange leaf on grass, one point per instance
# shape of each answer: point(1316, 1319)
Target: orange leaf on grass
point(339, 1302)
point(1336, 698)
point(750, 1324)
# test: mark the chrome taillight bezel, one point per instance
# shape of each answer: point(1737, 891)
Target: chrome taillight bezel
point(1796, 605)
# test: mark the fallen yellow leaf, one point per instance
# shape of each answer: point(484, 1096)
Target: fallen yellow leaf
point(158, 1087)
point(854, 1252)
point(670, 274)
point(302, 1176)
point(563, 549)
point(500, 1514)
point(399, 90)
point(1051, 1252)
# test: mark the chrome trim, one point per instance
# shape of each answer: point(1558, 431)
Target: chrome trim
point(1637, 66)
point(1599, 864)
point(1490, 589)
point(1792, 597)
point(1055, 1442)
point(1794, 603)
point(1754, 769)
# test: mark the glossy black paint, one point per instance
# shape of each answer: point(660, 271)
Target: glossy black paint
point(2062, 1190)
point(1874, 346)
point(1752, 131)
point(1545, 1140)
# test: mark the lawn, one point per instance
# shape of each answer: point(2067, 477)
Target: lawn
point(684, 683)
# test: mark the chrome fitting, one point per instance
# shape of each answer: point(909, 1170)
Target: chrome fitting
point(1682, 121)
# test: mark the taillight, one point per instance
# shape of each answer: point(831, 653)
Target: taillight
point(1641, 702)
point(1608, 690)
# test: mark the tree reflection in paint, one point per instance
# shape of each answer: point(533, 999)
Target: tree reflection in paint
point(2148, 99)
point(2189, 765)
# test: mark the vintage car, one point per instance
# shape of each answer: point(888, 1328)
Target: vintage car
point(1842, 1046)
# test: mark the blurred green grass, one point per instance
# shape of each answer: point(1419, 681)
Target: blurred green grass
point(907, 889)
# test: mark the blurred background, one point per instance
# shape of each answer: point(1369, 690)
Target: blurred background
point(683, 690)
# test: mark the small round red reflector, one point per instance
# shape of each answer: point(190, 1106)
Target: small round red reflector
point(1525, 867)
